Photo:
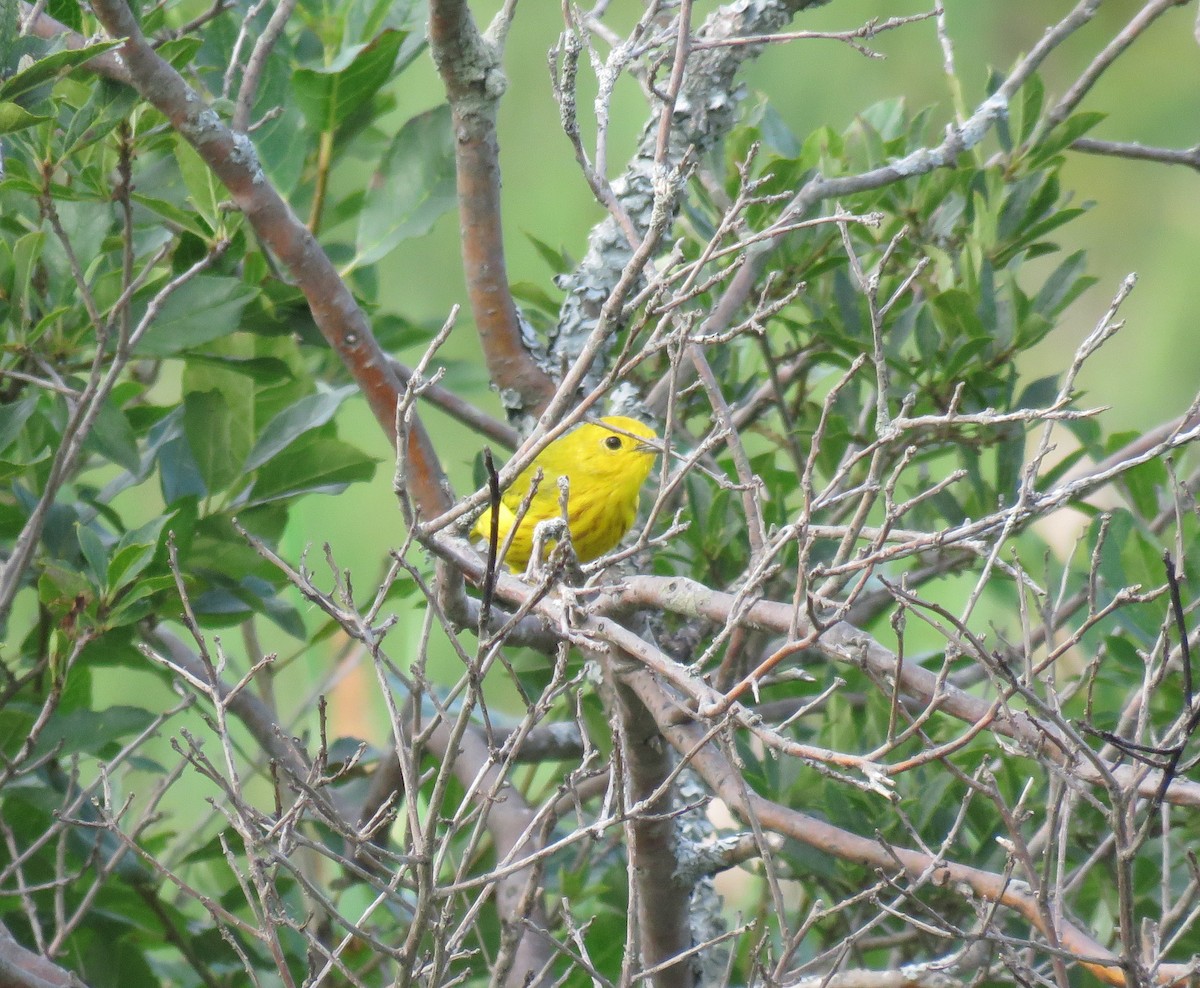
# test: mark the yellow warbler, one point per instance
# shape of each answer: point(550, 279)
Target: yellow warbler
point(605, 470)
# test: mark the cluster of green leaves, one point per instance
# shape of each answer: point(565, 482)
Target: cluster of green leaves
point(955, 336)
point(227, 406)
point(989, 291)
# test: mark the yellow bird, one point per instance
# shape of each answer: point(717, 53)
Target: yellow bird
point(605, 470)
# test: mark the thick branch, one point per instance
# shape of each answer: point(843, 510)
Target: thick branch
point(21, 968)
point(662, 899)
point(470, 68)
point(705, 111)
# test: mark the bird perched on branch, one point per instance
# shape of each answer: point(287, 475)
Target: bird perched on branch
point(605, 464)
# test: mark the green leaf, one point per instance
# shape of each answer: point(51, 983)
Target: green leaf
point(1111, 569)
point(107, 105)
point(1029, 107)
point(67, 12)
point(26, 254)
point(987, 298)
point(13, 417)
point(179, 472)
point(14, 118)
point(1003, 133)
point(1146, 484)
point(203, 309)
point(533, 294)
point(50, 67)
point(260, 370)
point(824, 148)
point(1061, 137)
point(86, 225)
point(134, 604)
point(1010, 460)
point(1050, 477)
point(302, 416)
point(94, 553)
point(1039, 393)
point(208, 423)
point(180, 51)
point(12, 466)
point(560, 261)
point(235, 601)
point(415, 184)
point(1022, 202)
point(205, 192)
point(311, 465)
point(112, 437)
point(91, 730)
point(327, 95)
point(1032, 329)
point(956, 310)
point(887, 118)
point(185, 219)
point(776, 134)
point(1064, 285)
point(135, 552)
point(961, 357)
point(1028, 242)
point(394, 332)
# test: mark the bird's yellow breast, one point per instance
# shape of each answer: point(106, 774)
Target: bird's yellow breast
point(605, 464)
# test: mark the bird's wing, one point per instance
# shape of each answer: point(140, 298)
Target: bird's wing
point(545, 501)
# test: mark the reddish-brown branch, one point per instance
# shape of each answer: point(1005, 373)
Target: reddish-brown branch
point(233, 160)
point(470, 70)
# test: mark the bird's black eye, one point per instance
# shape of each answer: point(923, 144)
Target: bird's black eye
point(613, 442)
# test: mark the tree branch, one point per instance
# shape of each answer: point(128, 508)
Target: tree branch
point(959, 138)
point(662, 900)
point(1189, 157)
point(686, 597)
point(21, 968)
point(704, 113)
point(469, 65)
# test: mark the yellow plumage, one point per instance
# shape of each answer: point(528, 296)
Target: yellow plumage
point(605, 469)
